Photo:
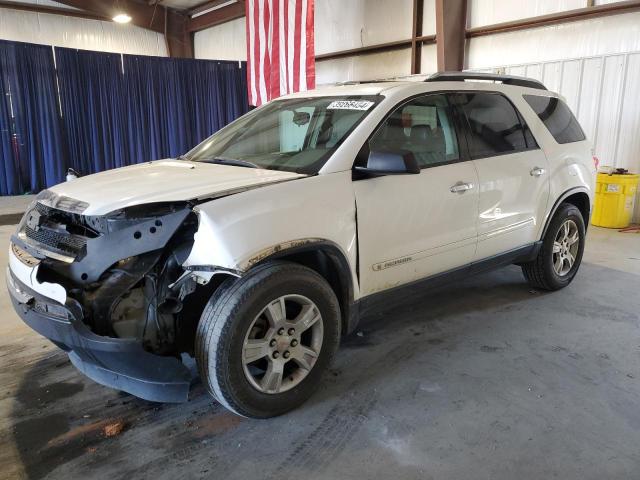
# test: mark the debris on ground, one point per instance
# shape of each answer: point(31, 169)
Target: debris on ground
point(114, 429)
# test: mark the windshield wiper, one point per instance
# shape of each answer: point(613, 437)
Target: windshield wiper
point(230, 161)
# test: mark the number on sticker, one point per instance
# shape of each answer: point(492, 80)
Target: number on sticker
point(350, 105)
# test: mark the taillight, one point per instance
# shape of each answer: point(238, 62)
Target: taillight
point(596, 162)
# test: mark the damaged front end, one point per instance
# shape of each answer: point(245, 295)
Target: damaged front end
point(111, 290)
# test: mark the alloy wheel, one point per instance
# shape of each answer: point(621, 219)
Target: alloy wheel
point(282, 344)
point(565, 247)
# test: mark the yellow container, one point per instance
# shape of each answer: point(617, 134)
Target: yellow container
point(615, 196)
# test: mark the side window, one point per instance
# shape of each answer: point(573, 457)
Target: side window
point(557, 117)
point(423, 126)
point(495, 126)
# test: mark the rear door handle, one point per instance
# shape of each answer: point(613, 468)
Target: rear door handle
point(461, 187)
point(537, 171)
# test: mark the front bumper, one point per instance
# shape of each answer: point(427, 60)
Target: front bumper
point(118, 363)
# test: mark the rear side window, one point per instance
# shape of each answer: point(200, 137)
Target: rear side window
point(495, 127)
point(557, 117)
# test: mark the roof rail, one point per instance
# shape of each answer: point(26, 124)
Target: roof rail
point(505, 79)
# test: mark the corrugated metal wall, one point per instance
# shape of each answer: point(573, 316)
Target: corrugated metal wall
point(603, 91)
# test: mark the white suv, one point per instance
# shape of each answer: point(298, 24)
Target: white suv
point(258, 249)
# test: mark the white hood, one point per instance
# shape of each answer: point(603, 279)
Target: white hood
point(163, 181)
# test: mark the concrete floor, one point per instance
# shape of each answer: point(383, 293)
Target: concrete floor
point(484, 379)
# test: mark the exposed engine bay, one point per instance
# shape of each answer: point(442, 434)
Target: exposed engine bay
point(122, 270)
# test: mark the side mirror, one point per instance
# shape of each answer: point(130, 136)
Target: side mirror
point(381, 163)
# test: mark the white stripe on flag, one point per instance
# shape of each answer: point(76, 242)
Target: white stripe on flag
point(261, 37)
point(291, 22)
point(252, 38)
point(303, 46)
point(282, 54)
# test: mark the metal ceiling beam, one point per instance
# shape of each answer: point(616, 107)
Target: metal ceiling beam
point(216, 17)
point(451, 22)
point(378, 48)
point(204, 6)
point(586, 13)
point(171, 23)
point(31, 7)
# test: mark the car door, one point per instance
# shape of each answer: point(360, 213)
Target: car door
point(412, 226)
point(512, 171)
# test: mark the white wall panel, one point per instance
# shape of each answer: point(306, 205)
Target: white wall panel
point(487, 12)
point(628, 151)
point(589, 101)
point(227, 41)
point(429, 17)
point(570, 86)
point(552, 75)
point(79, 33)
point(534, 71)
point(429, 59)
point(364, 67)
point(607, 35)
point(607, 129)
point(342, 25)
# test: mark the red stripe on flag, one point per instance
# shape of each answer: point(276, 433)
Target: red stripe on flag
point(311, 62)
point(297, 46)
point(268, 39)
point(275, 52)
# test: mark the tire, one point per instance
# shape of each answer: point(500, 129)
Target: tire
point(247, 310)
point(546, 272)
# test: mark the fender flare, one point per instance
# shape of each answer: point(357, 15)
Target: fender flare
point(349, 307)
point(559, 200)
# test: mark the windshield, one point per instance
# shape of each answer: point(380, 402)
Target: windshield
point(297, 135)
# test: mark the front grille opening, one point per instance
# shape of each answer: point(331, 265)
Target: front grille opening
point(67, 243)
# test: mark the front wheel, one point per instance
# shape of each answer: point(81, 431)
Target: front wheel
point(264, 340)
point(561, 252)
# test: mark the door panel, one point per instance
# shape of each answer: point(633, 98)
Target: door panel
point(512, 201)
point(512, 171)
point(413, 226)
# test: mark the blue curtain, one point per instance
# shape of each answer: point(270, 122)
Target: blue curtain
point(94, 109)
point(35, 159)
point(173, 104)
point(104, 118)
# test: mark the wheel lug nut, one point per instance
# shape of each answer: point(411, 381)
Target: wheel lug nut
point(272, 343)
point(294, 342)
point(275, 354)
point(291, 331)
point(281, 331)
point(286, 354)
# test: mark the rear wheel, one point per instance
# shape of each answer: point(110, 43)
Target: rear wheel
point(561, 252)
point(264, 340)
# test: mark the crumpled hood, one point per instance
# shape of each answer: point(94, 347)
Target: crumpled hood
point(164, 181)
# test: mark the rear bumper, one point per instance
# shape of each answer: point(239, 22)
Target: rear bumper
point(118, 363)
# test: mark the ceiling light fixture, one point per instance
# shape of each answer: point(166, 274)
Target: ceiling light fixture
point(122, 18)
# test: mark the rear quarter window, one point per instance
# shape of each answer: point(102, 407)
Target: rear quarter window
point(557, 117)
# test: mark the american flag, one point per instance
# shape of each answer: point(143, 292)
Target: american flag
point(280, 49)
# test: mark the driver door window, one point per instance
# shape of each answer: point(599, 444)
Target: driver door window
point(424, 127)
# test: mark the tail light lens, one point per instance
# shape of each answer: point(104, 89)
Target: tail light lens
point(596, 162)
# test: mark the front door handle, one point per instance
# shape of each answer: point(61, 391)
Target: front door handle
point(537, 171)
point(461, 187)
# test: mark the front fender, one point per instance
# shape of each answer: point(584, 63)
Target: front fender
point(238, 231)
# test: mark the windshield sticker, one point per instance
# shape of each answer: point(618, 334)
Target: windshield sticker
point(350, 105)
